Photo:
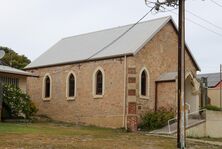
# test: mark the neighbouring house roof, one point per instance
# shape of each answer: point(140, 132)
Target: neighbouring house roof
point(82, 47)
point(10, 70)
point(212, 78)
point(168, 76)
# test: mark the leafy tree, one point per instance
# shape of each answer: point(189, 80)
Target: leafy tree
point(13, 59)
point(16, 103)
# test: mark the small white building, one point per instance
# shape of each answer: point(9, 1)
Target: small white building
point(9, 75)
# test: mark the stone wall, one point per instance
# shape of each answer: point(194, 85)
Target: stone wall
point(213, 124)
point(210, 128)
point(132, 116)
point(214, 95)
point(160, 56)
point(85, 109)
point(167, 96)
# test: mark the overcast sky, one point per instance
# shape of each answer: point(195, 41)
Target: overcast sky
point(30, 27)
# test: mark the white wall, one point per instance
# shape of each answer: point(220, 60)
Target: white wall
point(191, 99)
point(211, 128)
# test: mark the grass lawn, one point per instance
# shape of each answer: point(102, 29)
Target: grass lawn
point(66, 136)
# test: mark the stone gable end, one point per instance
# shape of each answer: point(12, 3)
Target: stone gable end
point(159, 56)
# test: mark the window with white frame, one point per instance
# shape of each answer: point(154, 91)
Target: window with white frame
point(144, 83)
point(98, 82)
point(47, 87)
point(71, 86)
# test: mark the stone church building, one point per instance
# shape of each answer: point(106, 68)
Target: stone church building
point(88, 79)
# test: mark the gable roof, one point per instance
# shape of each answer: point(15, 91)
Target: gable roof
point(212, 78)
point(11, 70)
point(83, 47)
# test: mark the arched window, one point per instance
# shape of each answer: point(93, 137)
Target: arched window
point(144, 83)
point(98, 83)
point(71, 85)
point(47, 88)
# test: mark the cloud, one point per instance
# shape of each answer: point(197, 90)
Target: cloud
point(31, 27)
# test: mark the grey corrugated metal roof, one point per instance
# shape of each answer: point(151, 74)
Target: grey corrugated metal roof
point(167, 76)
point(7, 69)
point(80, 48)
point(212, 78)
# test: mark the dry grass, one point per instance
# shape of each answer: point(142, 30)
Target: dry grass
point(65, 136)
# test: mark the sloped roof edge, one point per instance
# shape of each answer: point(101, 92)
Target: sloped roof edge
point(137, 49)
point(11, 70)
point(81, 61)
point(189, 51)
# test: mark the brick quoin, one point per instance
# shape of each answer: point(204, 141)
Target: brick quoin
point(132, 108)
point(132, 123)
point(132, 92)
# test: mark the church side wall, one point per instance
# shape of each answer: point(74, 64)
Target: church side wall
point(84, 109)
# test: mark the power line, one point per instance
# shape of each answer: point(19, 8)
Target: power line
point(204, 20)
point(112, 42)
point(204, 27)
point(198, 24)
point(162, 10)
point(216, 3)
point(120, 36)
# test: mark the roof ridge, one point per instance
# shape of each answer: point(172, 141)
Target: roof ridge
point(122, 26)
point(149, 29)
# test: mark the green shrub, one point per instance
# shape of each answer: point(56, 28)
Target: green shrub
point(213, 108)
point(155, 120)
point(16, 103)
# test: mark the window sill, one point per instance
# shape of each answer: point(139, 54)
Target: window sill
point(70, 98)
point(97, 96)
point(46, 99)
point(144, 97)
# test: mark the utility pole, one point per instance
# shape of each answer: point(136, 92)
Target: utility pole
point(181, 122)
point(181, 127)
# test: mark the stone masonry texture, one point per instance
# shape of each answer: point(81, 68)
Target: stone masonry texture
point(159, 56)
